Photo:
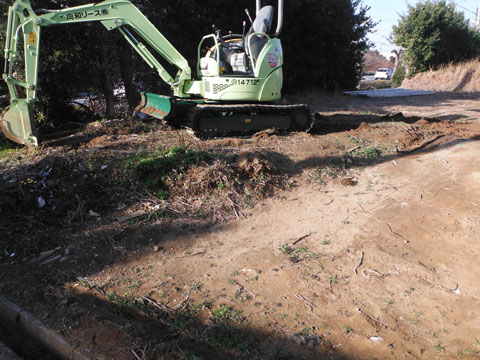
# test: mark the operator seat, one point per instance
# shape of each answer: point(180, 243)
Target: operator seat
point(262, 24)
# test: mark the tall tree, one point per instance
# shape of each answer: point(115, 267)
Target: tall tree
point(434, 33)
point(106, 80)
point(126, 72)
point(324, 43)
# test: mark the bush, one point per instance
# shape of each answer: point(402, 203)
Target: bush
point(433, 33)
point(399, 76)
point(375, 85)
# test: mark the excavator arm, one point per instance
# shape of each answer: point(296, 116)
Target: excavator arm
point(24, 24)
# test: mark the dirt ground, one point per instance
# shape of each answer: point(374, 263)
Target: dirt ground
point(363, 247)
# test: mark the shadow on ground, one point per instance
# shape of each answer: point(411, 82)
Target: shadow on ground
point(97, 244)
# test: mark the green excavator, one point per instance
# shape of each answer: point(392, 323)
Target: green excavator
point(238, 76)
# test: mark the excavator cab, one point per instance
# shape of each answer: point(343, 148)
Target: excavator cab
point(246, 67)
point(235, 50)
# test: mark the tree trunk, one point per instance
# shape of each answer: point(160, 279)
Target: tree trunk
point(126, 72)
point(107, 85)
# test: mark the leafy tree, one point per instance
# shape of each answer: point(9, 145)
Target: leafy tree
point(324, 42)
point(434, 33)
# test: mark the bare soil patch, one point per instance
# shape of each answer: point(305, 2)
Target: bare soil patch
point(356, 241)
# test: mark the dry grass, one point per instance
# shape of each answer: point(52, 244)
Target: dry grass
point(462, 77)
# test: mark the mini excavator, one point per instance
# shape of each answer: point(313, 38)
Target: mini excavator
point(237, 79)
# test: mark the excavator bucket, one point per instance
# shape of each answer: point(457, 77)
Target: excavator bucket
point(155, 105)
point(17, 123)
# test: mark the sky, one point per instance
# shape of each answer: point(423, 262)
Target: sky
point(387, 13)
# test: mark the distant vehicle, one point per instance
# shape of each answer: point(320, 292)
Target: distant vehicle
point(368, 76)
point(383, 74)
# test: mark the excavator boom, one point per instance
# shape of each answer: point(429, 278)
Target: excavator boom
point(17, 123)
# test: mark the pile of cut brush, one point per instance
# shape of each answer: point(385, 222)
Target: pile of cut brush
point(55, 188)
point(205, 184)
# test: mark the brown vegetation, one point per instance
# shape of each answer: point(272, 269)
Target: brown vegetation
point(462, 77)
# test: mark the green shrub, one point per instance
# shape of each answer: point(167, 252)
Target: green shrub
point(399, 76)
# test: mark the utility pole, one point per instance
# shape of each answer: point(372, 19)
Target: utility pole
point(477, 19)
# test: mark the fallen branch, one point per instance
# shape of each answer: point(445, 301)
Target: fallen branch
point(45, 254)
point(307, 303)
point(158, 305)
point(375, 272)
point(51, 260)
point(390, 228)
point(237, 212)
point(135, 354)
point(197, 253)
point(183, 302)
point(131, 216)
point(359, 264)
point(301, 238)
point(455, 290)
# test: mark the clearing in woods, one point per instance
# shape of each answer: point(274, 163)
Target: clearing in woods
point(358, 241)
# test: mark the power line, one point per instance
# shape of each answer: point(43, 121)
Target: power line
point(383, 8)
point(463, 7)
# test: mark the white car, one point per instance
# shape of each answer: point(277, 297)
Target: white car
point(383, 74)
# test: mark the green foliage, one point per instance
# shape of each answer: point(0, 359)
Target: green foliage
point(6, 145)
point(324, 42)
point(434, 33)
point(228, 337)
point(225, 313)
point(399, 76)
point(170, 163)
point(369, 152)
point(175, 158)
